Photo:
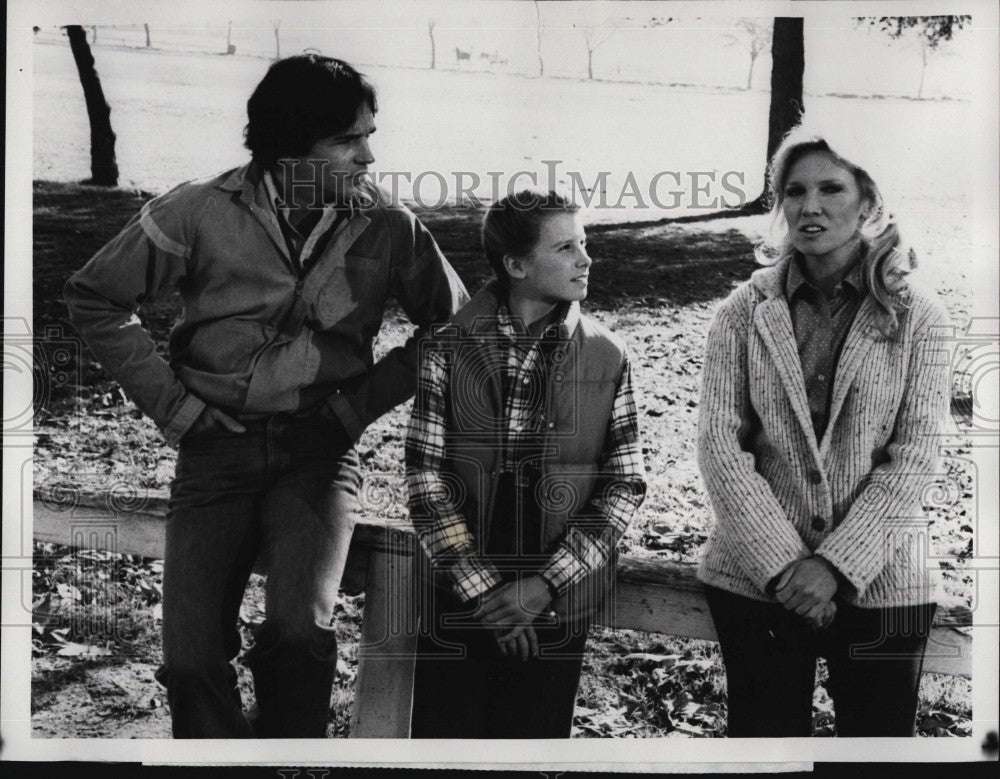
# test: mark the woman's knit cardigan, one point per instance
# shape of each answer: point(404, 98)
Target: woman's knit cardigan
point(855, 497)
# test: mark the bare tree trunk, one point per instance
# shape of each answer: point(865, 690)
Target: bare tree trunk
point(590, 64)
point(753, 60)
point(148, 44)
point(789, 63)
point(538, 39)
point(923, 68)
point(230, 49)
point(430, 31)
point(277, 40)
point(103, 166)
point(94, 31)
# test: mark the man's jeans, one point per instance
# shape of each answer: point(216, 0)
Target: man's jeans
point(287, 488)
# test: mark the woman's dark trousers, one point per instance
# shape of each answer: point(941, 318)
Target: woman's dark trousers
point(874, 658)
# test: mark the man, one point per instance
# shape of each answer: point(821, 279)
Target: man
point(284, 266)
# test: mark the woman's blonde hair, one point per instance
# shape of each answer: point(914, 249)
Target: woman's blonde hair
point(885, 261)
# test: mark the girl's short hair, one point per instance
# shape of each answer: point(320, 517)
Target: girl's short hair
point(513, 224)
point(885, 262)
point(301, 100)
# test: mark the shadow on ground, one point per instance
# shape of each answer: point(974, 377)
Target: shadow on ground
point(655, 267)
point(647, 265)
point(659, 264)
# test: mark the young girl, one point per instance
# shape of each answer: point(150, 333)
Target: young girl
point(524, 469)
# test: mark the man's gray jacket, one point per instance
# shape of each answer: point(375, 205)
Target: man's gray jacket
point(256, 336)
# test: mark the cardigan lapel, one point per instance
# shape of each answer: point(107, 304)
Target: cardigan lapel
point(774, 324)
point(857, 344)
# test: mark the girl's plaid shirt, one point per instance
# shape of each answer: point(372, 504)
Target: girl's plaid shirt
point(443, 531)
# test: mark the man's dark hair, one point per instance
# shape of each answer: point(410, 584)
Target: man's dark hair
point(300, 100)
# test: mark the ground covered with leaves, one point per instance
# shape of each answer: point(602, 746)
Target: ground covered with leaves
point(97, 615)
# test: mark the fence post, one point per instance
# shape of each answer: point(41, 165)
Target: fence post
point(383, 694)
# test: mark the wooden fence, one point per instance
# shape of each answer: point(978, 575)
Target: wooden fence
point(649, 595)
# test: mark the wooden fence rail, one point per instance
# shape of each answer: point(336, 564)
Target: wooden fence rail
point(649, 595)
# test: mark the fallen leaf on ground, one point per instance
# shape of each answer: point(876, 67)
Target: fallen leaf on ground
point(83, 650)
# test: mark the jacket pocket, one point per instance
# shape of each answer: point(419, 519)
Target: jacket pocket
point(226, 346)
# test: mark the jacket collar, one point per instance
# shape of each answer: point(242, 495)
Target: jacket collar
point(247, 178)
point(479, 314)
point(770, 280)
point(237, 178)
point(773, 322)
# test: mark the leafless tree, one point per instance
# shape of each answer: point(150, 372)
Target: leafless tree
point(103, 165)
point(595, 36)
point(788, 64)
point(754, 36)
point(148, 44)
point(277, 38)
point(930, 31)
point(431, 24)
point(538, 39)
point(230, 49)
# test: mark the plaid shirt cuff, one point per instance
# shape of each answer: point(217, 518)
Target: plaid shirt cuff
point(563, 570)
point(473, 577)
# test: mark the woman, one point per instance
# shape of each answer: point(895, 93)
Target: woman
point(821, 402)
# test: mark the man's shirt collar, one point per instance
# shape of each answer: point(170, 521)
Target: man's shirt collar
point(280, 207)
